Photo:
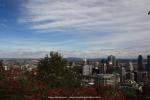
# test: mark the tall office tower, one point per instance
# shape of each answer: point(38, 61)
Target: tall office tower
point(140, 63)
point(104, 66)
point(87, 70)
point(141, 73)
point(85, 61)
point(122, 74)
point(117, 63)
point(131, 68)
point(148, 63)
point(112, 60)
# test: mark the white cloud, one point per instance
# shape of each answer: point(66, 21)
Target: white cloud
point(99, 24)
point(101, 53)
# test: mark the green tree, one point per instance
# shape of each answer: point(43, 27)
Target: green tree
point(1, 66)
point(1, 70)
point(53, 71)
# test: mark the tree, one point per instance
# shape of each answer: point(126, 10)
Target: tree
point(1, 66)
point(53, 71)
point(2, 76)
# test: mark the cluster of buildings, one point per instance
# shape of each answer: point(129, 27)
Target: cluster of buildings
point(126, 74)
point(110, 71)
point(14, 68)
point(21, 64)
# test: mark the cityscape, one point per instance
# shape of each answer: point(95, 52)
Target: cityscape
point(130, 76)
point(74, 50)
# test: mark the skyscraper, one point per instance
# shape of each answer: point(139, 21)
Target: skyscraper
point(141, 73)
point(148, 63)
point(140, 63)
point(112, 60)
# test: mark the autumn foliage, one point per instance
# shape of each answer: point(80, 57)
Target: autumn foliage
point(21, 88)
point(49, 81)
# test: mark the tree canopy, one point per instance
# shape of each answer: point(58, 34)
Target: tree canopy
point(53, 70)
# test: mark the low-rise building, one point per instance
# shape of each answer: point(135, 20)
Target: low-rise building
point(107, 79)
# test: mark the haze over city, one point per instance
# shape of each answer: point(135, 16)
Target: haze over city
point(75, 28)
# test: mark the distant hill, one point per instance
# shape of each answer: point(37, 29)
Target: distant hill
point(121, 60)
point(73, 59)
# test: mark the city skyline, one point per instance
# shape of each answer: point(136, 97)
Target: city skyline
point(81, 28)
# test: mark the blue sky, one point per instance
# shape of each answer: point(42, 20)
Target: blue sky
point(80, 28)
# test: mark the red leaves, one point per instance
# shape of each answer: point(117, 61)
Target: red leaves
point(39, 85)
point(121, 95)
point(14, 85)
point(13, 73)
point(36, 89)
point(86, 91)
point(34, 96)
point(83, 91)
point(58, 92)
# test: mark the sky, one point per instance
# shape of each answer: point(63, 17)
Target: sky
point(74, 28)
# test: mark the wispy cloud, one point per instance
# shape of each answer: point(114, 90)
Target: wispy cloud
point(97, 24)
point(86, 14)
point(101, 53)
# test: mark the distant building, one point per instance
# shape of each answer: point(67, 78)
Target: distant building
point(103, 67)
point(107, 79)
point(131, 68)
point(130, 72)
point(73, 65)
point(148, 63)
point(6, 68)
point(140, 63)
point(87, 70)
point(87, 80)
point(141, 73)
point(111, 60)
point(142, 76)
point(130, 76)
point(85, 61)
point(78, 69)
point(122, 74)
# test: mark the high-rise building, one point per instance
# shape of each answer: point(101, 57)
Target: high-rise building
point(85, 61)
point(112, 60)
point(122, 73)
point(130, 76)
point(140, 63)
point(107, 79)
point(103, 68)
point(130, 72)
point(141, 73)
point(87, 70)
point(148, 63)
point(142, 76)
point(130, 67)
